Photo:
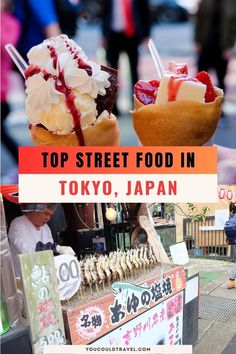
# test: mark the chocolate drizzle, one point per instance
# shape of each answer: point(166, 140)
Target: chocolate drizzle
point(107, 102)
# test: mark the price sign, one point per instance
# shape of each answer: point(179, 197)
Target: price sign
point(68, 275)
point(42, 300)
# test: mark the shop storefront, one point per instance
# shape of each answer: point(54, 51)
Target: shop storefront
point(120, 289)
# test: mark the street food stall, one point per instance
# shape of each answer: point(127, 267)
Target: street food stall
point(144, 309)
point(121, 289)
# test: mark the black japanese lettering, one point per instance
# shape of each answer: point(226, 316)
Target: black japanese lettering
point(96, 321)
point(156, 292)
point(167, 286)
point(117, 313)
point(145, 298)
point(85, 319)
point(132, 304)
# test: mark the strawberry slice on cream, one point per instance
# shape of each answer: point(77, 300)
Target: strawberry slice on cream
point(177, 110)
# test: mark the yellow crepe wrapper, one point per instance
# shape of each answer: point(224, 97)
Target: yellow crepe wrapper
point(104, 132)
point(177, 123)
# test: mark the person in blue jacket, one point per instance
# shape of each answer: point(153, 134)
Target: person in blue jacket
point(39, 21)
point(230, 232)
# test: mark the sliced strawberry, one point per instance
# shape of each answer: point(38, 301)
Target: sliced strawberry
point(178, 68)
point(145, 91)
point(204, 77)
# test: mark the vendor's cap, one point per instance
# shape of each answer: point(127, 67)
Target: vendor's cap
point(29, 207)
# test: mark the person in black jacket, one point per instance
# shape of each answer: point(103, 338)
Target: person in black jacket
point(230, 232)
point(125, 25)
point(215, 34)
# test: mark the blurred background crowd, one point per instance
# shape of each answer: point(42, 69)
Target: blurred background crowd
point(201, 33)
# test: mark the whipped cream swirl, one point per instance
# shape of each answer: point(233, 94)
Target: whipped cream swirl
point(60, 61)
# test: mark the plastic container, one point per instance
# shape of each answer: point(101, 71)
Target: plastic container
point(4, 321)
point(197, 251)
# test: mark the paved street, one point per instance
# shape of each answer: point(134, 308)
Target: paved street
point(174, 42)
point(216, 335)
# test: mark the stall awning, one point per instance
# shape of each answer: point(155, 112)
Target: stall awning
point(10, 192)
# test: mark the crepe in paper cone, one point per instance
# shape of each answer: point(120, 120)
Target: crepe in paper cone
point(177, 123)
point(104, 132)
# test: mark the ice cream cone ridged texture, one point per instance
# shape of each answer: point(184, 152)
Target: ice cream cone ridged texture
point(62, 86)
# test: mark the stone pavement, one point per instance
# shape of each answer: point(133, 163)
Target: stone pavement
point(216, 336)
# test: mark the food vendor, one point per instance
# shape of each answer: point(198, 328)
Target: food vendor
point(30, 232)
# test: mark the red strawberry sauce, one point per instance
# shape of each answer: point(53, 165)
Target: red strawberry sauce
point(146, 91)
point(174, 85)
point(61, 86)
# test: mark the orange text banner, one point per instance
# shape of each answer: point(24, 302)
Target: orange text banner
point(118, 160)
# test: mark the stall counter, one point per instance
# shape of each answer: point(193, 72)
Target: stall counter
point(132, 312)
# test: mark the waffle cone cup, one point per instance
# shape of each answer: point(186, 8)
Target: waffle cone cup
point(178, 123)
point(105, 132)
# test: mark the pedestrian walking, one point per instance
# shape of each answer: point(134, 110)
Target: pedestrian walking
point(10, 31)
point(215, 35)
point(38, 19)
point(68, 12)
point(125, 25)
point(231, 283)
point(230, 231)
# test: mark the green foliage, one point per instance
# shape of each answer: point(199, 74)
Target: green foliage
point(155, 210)
point(192, 213)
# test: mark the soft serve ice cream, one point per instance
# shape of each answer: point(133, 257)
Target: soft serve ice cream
point(65, 94)
point(178, 109)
